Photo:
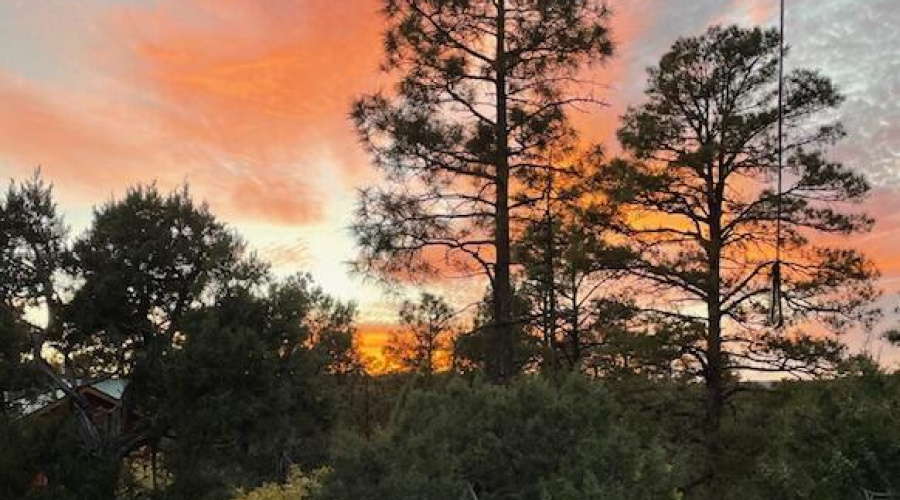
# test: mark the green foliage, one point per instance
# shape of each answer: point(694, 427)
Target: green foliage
point(51, 448)
point(569, 275)
point(33, 253)
point(331, 330)
point(831, 440)
point(472, 350)
point(703, 149)
point(530, 439)
point(243, 383)
point(33, 246)
point(438, 139)
point(16, 466)
point(237, 381)
point(13, 345)
point(216, 354)
point(146, 261)
point(365, 403)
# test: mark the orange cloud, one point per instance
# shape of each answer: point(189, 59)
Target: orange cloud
point(619, 80)
point(246, 100)
point(263, 88)
point(883, 243)
point(75, 137)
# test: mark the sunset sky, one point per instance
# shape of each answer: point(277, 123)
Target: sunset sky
point(247, 102)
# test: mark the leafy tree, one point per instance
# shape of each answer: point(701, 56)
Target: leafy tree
point(77, 455)
point(52, 448)
point(162, 294)
point(697, 211)
point(572, 270)
point(115, 304)
point(243, 384)
point(146, 261)
point(36, 260)
point(331, 331)
point(630, 342)
point(423, 343)
point(829, 439)
point(13, 333)
point(483, 89)
point(13, 372)
point(33, 250)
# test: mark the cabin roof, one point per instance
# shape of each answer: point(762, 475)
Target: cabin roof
point(110, 388)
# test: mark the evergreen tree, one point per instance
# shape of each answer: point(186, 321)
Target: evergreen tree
point(240, 398)
point(82, 458)
point(472, 349)
point(483, 90)
point(697, 209)
point(34, 256)
point(34, 264)
point(424, 342)
point(570, 272)
point(146, 261)
point(332, 333)
point(13, 346)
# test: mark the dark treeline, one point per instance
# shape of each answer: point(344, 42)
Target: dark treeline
point(631, 300)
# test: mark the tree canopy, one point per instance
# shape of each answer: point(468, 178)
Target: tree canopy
point(480, 104)
point(697, 209)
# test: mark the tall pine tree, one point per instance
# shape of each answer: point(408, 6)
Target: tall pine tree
point(697, 208)
point(481, 98)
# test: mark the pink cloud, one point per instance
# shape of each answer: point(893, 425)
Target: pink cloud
point(246, 100)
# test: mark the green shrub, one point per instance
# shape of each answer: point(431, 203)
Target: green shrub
point(528, 440)
point(831, 440)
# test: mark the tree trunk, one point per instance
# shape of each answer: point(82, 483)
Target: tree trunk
point(714, 395)
point(429, 353)
point(575, 331)
point(715, 368)
point(550, 262)
point(501, 363)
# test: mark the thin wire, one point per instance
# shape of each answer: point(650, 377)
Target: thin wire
point(550, 278)
point(777, 316)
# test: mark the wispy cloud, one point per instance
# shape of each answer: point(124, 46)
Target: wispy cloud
point(243, 99)
point(247, 100)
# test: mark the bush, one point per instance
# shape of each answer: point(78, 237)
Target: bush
point(832, 440)
point(299, 486)
point(51, 447)
point(528, 440)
